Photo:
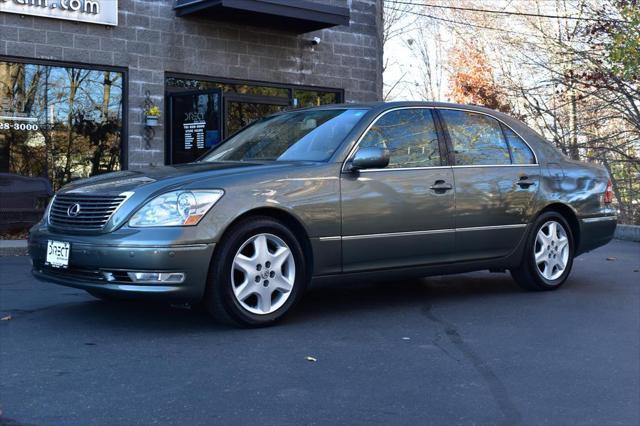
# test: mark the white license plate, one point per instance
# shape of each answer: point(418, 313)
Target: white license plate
point(58, 254)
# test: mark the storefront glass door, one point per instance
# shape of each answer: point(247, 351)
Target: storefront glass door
point(194, 124)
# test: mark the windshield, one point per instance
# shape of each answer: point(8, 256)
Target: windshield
point(312, 135)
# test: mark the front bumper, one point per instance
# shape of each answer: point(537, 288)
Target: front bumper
point(100, 264)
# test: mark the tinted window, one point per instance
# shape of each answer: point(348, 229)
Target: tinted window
point(410, 136)
point(477, 138)
point(311, 135)
point(520, 152)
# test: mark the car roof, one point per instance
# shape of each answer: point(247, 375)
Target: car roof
point(398, 104)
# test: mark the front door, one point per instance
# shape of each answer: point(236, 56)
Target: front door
point(496, 179)
point(401, 215)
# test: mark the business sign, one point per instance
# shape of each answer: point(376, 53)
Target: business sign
point(195, 120)
point(103, 12)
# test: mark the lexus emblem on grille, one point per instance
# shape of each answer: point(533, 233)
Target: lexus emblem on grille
point(73, 210)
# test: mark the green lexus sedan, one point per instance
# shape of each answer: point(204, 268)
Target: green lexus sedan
point(376, 190)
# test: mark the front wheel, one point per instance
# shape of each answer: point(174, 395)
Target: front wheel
point(548, 256)
point(257, 274)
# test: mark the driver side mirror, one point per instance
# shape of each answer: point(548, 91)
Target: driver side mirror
point(369, 158)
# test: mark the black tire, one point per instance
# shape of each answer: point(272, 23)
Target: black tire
point(220, 300)
point(528, 275)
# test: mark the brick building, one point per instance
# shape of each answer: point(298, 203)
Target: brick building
point(79, 78)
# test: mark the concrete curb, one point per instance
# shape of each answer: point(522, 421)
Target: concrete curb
point(13, 247)
point(627, 232)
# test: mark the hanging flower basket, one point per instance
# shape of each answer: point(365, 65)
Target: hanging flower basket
point(151, 120)
point(152, 116)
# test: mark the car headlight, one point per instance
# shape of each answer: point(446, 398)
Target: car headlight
point(176, 208)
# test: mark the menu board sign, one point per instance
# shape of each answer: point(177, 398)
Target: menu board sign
point(195, 124)
point(194, 134)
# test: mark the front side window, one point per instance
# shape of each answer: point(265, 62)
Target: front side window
point(409, 135)
point(58, 122)
point(477, 139)
point(312, 135)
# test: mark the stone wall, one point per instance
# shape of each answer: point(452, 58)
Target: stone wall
point(150, 40)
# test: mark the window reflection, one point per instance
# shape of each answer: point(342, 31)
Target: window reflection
point(311, 98)
point(410, 136)
point(241, 114)
point(59, 122)
point(294, 136)
point(477, 139)
point(520, 152)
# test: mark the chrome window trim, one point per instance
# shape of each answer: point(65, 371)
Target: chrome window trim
point(466, 166)
point(404, 168)
point(383, 113)
point(429, 232)
point(599, 219)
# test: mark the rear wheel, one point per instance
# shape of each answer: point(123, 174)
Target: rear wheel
point(548, 256)
point(257, 274)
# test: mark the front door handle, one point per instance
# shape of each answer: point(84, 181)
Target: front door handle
point(441, 186)
point(524, 182)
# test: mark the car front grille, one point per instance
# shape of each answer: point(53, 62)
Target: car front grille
point(84, 212)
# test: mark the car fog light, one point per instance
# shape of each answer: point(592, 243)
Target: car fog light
point(157, 277)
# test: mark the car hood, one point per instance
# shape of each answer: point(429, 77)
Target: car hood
point(167, 177)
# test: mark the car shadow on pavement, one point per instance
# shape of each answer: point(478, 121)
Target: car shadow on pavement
point(339, 300)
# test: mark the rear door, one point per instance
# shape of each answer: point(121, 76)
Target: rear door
point(496, 179)
point(401, 215)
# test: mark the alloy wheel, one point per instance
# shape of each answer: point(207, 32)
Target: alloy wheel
point(263, 274)
point(551, 250)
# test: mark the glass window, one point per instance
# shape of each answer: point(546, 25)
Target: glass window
point(240, 114)
point(410, 136)
point(298, 98)
point(520, 152)
point(477, 138)
point(293, 136)
point(243, 89)
point(311, 98)
point(59, 122)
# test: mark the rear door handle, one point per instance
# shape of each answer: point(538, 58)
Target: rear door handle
point(441, 186)
point(524, 182)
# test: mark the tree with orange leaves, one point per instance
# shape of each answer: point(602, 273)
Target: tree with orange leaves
point(472, 80)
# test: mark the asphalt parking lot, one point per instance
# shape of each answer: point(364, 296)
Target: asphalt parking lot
point(463, 349)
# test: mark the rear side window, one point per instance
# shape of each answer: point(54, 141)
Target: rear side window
point(410, 136)
point(520, 151)
point(477, 139)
